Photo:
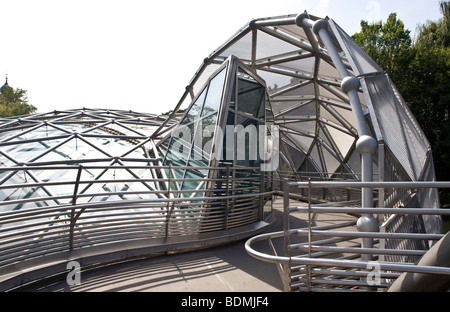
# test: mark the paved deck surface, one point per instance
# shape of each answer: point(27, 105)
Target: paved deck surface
point(225, 268)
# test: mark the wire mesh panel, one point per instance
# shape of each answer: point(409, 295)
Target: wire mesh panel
point(399, 129)
point(278, 71)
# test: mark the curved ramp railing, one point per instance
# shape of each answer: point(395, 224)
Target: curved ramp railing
point(330, 257)
point(49, 229)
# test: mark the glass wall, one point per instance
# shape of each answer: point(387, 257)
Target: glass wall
point(191, 143)
point(67, 140)
point(227, 124)
point(246, 114)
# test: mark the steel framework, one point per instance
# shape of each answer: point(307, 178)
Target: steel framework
point(332, 258)
point(106, 182)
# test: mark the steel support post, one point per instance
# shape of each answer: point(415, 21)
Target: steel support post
point(366, 145)
point(73, 218)
point(287, 238)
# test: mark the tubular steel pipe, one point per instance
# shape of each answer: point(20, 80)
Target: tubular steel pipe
point(422, 270)
point(339, 263)
point(398, 211)
point(382, 184)
point(366, 145)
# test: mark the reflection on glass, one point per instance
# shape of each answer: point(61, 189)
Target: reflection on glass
point(195, 110)
point(250, 95)
point(247, 139)
point(191, 143)
point(212, 102)
point(192, 185)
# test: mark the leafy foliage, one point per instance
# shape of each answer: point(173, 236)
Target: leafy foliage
point(420, 69)
point(389, 44)
point(14, 102)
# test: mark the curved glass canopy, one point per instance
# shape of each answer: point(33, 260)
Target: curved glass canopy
point(272, 93)
point(87, 137)
point(317, 126)
point(271, 103)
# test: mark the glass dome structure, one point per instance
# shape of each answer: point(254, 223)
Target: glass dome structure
point(299, 89)
point(285, 97)
point(118, 139)
point(319, 123)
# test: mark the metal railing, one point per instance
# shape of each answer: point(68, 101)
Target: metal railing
point(330, 257)
point(49, 225)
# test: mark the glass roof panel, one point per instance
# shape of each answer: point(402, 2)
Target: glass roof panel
point(304, 142)
point(274, 81)
point(305, 65)
point(270, 46)
point(242, 49)
point(214, 96)
point(204, 77)
point(195, 109)
point(250, 94)
point(330, 160)
point(343, 141)
point(203, 142)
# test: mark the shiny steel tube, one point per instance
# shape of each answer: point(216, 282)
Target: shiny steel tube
point(366, 145)
point(338, 263)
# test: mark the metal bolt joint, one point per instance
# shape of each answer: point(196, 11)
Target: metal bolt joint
point(300, 19)
point(349, 83)
point(367, 224)
point(319, 25)
point(366, 145)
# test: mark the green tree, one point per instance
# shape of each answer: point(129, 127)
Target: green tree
point(436, 33)
point(428, 93)
point(388, 44)
point(14, 102)
point(420, 69)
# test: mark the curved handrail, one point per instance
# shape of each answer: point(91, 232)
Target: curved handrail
point(316, 252)
point(34, 237)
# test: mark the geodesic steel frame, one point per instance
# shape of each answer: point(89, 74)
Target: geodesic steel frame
point(309, 65)
point(94, 137)
point(335, 108)
point(293, 64)
point(92, 180)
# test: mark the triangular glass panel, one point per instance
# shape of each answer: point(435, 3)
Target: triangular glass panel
point(251, 94)
point(43, 132)
point(195, 110)
point(22, 191)
point(214, 97)
point(72, 150)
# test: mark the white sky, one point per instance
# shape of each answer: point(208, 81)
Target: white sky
point(139, 55)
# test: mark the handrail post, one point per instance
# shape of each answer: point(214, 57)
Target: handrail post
point(308, 267)
point(72, 214)
point(287, 240)
point(367, 146)
point(261, 196)
point(77, 184)
point(227, 201)
point(168, 203)
point(72, 230)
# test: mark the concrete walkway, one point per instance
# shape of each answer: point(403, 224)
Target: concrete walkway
point(226, 268)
